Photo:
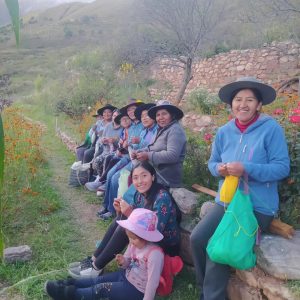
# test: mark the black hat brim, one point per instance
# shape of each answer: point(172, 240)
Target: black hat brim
point(102, 109)
point(124, 108)
point(267, 92)
point(118, 118)
point(141, 108)
point(174, 110)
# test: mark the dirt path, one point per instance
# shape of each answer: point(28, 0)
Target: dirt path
point(75, 199)
point(84, 213)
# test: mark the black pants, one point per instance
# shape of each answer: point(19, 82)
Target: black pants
point(114, 241)
point(88, 155)
point(213, 277)
point(108, 164)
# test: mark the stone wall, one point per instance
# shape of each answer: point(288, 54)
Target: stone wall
point(271, 64)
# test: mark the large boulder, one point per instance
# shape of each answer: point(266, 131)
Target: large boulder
point(185, 199)
point(186, 226)
point(256, 285)
point(280, 257)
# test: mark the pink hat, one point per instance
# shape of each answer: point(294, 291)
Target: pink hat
point(143, 223)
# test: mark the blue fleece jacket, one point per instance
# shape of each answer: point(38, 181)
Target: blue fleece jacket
point(263, 151)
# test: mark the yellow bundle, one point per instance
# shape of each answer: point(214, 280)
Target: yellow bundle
point(228, 188)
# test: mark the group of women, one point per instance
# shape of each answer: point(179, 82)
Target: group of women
point(251, 146)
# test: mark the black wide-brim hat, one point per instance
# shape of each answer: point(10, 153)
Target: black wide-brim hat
point(141, 108)
point(118, 118)
point(165, 104)
point(132, 102)
point(102, 109)
point(268, 94)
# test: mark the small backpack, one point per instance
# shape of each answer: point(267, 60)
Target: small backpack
point(172, 266)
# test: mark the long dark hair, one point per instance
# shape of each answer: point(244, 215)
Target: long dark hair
point(155, 188)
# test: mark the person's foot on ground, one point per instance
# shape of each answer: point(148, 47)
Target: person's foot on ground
point(85, 262)
point(93, 185)
point(102, 211)
point(58, 291)
point(106, 216)
point(101, 190)
point(85, 273)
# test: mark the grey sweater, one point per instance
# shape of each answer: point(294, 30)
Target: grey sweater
point(109, 132)
point(167, 153)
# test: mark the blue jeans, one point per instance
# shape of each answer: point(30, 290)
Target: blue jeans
point(113, 286)
point(129, 194)
point(112, 184)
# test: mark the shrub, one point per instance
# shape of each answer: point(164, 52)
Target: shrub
point(285, 110)
point(203, 102)
point(195, 163)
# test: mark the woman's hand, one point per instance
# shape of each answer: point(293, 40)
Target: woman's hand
point(120, 259)
point(222, 169)
point(104, 140)
point(116, 205)
point(133, 154)
point(135, 140)
point(110, 140)
point(125, 208)
point(235, 169)
point(141, 156)
point(118, 153)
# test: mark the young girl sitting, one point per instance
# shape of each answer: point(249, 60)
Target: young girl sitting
point(141, 267)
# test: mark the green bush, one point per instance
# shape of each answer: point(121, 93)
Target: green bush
point(195, 169)
point(289, 189)
point(203, 102)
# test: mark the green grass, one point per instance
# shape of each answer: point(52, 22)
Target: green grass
point(42, 221)
point(294, 286)
point(45, 222)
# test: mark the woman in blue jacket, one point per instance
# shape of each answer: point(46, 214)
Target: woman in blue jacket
point(251, 146)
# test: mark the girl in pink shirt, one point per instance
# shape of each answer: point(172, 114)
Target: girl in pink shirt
point(140, 267)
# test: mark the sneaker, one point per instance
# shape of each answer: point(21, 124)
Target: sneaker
point(87, 261)
point(87, 273)
point(102, 211)
point(56, 290)
point(106, 216)
point(93, 185)
point(100, 193)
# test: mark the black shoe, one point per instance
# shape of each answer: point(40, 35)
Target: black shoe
point(58, 291)
point(102, 212)
point(66, 282)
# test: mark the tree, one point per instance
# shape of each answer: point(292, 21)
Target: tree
point(287, 7)
point(272, 14)
point(181, 28)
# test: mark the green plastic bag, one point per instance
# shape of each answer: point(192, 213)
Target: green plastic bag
point(233, 241)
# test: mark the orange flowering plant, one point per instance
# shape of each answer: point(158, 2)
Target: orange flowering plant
point(1, 184)
point(23, 161)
